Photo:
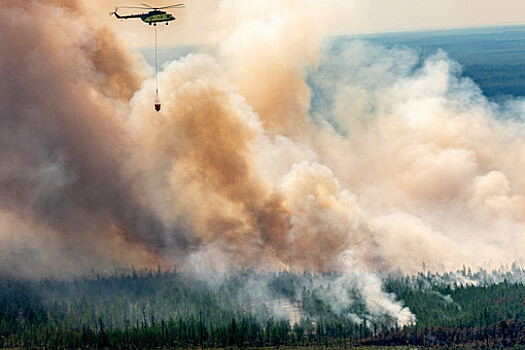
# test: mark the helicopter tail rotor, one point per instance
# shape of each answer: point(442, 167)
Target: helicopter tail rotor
point(115, 13)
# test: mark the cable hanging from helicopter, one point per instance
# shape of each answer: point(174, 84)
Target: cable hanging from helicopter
point(152, 17)
point(157, 98)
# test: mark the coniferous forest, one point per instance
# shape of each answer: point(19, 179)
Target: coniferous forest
point(156, 309)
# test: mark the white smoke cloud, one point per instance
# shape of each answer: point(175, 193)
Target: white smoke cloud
point(270, 154)
point(427, 157)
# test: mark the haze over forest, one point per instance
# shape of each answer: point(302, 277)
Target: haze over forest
point(277, 150)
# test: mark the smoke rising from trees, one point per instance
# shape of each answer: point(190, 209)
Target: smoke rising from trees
point(399, 161)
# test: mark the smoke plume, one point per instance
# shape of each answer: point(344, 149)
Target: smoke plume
point(275, 152)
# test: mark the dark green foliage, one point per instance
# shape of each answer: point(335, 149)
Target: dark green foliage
point(155, 310)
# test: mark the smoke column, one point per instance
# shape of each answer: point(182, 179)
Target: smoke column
point(65, 200)
point(400, 161)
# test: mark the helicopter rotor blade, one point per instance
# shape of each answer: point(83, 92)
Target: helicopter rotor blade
point(171, 6)
point(148, 7)
point(135, 7)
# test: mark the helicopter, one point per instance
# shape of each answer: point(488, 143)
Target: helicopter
point(154, 16)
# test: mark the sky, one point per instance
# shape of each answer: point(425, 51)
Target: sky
point(388, 15)
point(206, 21)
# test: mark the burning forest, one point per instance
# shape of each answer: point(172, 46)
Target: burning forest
point(276, 151)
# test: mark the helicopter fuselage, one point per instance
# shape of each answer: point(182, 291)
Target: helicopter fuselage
point(156, 17)
point(152, 17)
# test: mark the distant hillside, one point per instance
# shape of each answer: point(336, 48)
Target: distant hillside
point(494, 57)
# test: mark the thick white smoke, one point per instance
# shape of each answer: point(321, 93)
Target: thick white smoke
point(434, 165)
point(398, 161)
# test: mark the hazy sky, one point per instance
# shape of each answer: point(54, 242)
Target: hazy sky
point(386, 15)
point(206, 20)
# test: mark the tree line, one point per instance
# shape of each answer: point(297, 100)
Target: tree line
point(148, 309)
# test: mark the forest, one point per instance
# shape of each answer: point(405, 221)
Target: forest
point(247, 308)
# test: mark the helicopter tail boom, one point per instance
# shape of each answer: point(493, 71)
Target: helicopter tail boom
point(123, 17)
